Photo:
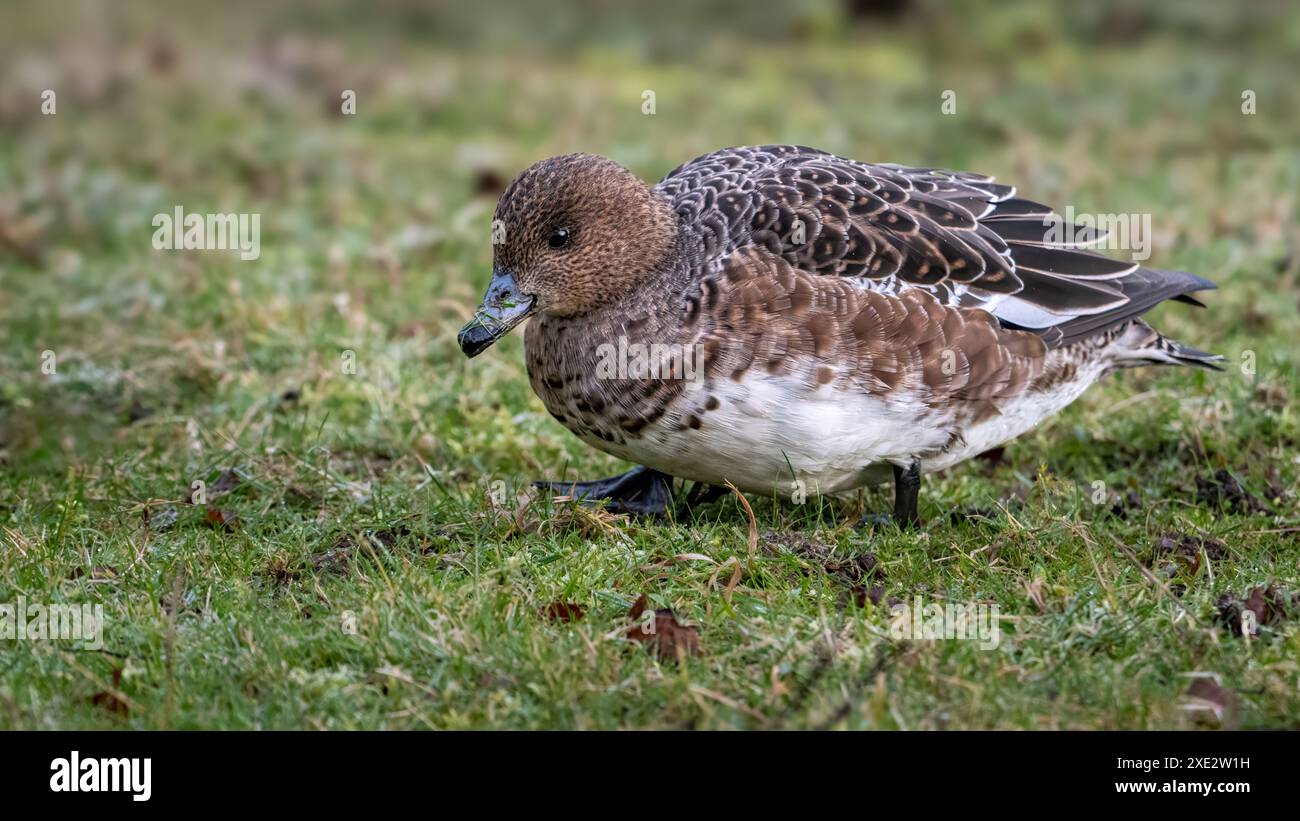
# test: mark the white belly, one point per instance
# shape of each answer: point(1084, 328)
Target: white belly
point(772, 434)
point(1016, 418)
point(769, 434)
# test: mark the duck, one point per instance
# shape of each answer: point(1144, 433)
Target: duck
point(781, 320)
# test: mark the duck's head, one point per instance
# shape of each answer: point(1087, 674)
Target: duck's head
point(571, 234)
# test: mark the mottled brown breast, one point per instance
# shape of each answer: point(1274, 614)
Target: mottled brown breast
point(567, 359)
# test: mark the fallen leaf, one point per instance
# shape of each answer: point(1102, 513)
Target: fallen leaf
point(662, 635)
point(693, 557)
point(222, 519)
point(735, 579)
point(1262, 606)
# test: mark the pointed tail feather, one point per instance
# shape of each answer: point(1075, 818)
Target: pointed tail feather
point(1140, 344)
point(1187, 355)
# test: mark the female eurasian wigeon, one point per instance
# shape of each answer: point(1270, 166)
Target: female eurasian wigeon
point(792, 321)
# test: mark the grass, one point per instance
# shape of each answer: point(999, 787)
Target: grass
point(361, 560)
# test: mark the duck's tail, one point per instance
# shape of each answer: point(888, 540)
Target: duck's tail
point(1140, 344)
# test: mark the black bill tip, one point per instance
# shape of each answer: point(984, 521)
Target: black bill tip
point(475, 338)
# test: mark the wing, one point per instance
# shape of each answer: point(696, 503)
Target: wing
point(964, 238)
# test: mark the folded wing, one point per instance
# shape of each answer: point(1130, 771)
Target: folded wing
point(962, 237)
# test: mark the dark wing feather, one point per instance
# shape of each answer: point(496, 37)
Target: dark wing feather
point(961, 236)
point(1016, 208)
point(1143, 290)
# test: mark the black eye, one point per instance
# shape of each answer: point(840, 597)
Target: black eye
point(558, 238)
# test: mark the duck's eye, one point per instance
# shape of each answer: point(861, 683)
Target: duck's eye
point(558, 238)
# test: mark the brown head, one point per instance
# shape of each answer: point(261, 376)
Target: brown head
point(572, 234)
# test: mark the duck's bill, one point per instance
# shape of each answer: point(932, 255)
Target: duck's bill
point(504, 307)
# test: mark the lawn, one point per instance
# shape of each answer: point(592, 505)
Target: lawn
point(359, 554)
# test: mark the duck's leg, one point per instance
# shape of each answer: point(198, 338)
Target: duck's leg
point(907, 486)
point(640, 491)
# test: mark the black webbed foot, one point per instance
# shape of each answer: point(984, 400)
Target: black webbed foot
point(641, 492)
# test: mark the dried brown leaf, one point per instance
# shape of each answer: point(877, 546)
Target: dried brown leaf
point(222, 519)
point(1262, 606)
point(662, 634)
